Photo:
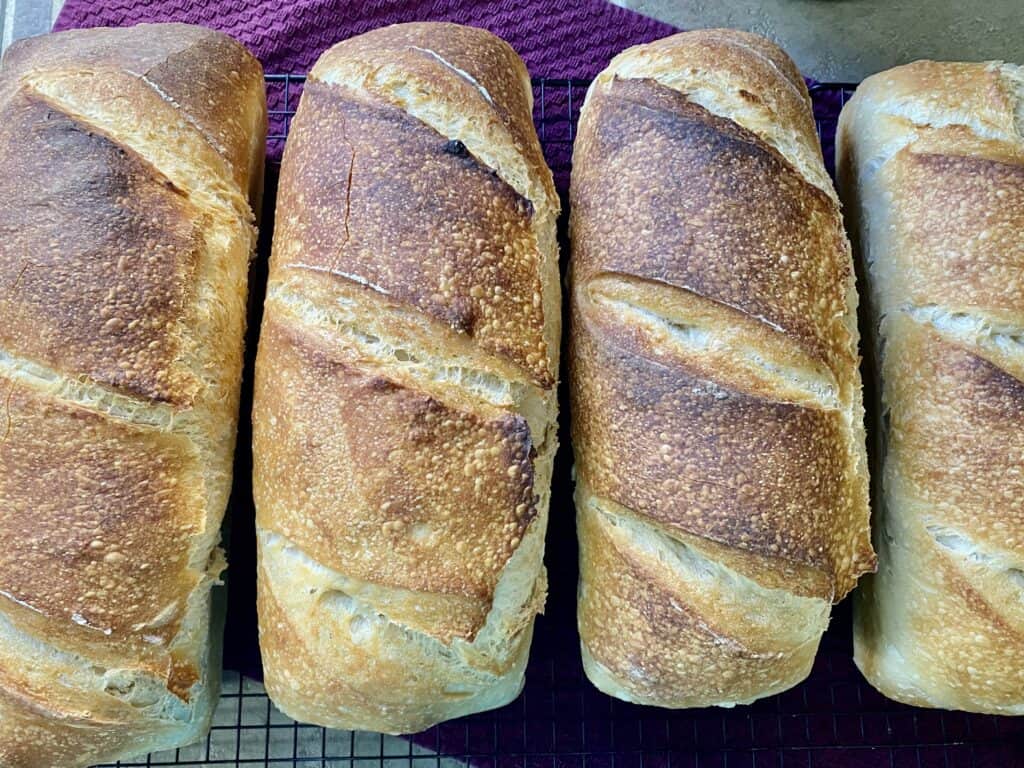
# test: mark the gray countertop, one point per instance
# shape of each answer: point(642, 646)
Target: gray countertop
point(23, 18)
point(846, 40)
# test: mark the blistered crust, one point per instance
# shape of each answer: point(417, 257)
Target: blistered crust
point(413, 301)
point(765, 477)
point(632, 598)
point(716, 398)
point(214, 83)
point(966, 476)
point(103, 549)
point(99, 270)
point(458, 71)
point(957, 220)
point(387, 468)
point(784, 261)
point(334, 658)
point(930, 157)
point(395, 206)
point(129, 159)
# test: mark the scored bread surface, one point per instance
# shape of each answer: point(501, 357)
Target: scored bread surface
point(129, 161)
point(404, 418)
point(716, 404)
point(931, 166)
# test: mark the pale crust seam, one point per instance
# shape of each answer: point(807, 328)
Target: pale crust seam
point(957, 542)
point(216, 145)
point(346, 333)
point(212, 203)
point(973, 331)
point(89, 395)
point(362, 605)
point(820, 392)
point(614, 510)
point(206, 198)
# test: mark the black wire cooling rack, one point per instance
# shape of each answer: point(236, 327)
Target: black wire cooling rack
point(833, 720)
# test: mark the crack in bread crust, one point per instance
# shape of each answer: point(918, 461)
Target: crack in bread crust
point(405, 386)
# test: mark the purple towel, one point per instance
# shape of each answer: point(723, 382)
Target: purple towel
point(556, 38)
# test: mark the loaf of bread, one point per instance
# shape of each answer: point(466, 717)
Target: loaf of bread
point(129, 159)
point(404, 417)
point(716, 406)
point(931, 161)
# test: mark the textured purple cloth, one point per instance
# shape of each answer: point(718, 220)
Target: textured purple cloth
point(556, 38)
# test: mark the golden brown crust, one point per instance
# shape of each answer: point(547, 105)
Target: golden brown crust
point(942, 253)
point(977, 620)
point(697, 244)
point(720, 650)
point(99, 271)
point(213, 81)
point(982, 96)
point(370, 199)
point(751, 81)
point(476, 72)
point(103, 551)
point(404, 414)
point(932, 164)
point(387, 468)
point(332, 658)
point(128, 161)
point(716, 400)
point(668, 443)
point(41, 737)
point(963, 475)
point(950, 541)
point(52, 717)
point(765, 72)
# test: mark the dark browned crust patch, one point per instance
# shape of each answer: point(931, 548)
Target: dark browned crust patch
point(392, 205)
point(728, 218)
point(98, 255)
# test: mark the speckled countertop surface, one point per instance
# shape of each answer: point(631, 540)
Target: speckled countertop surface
point(847, 40)
point(22, 18)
